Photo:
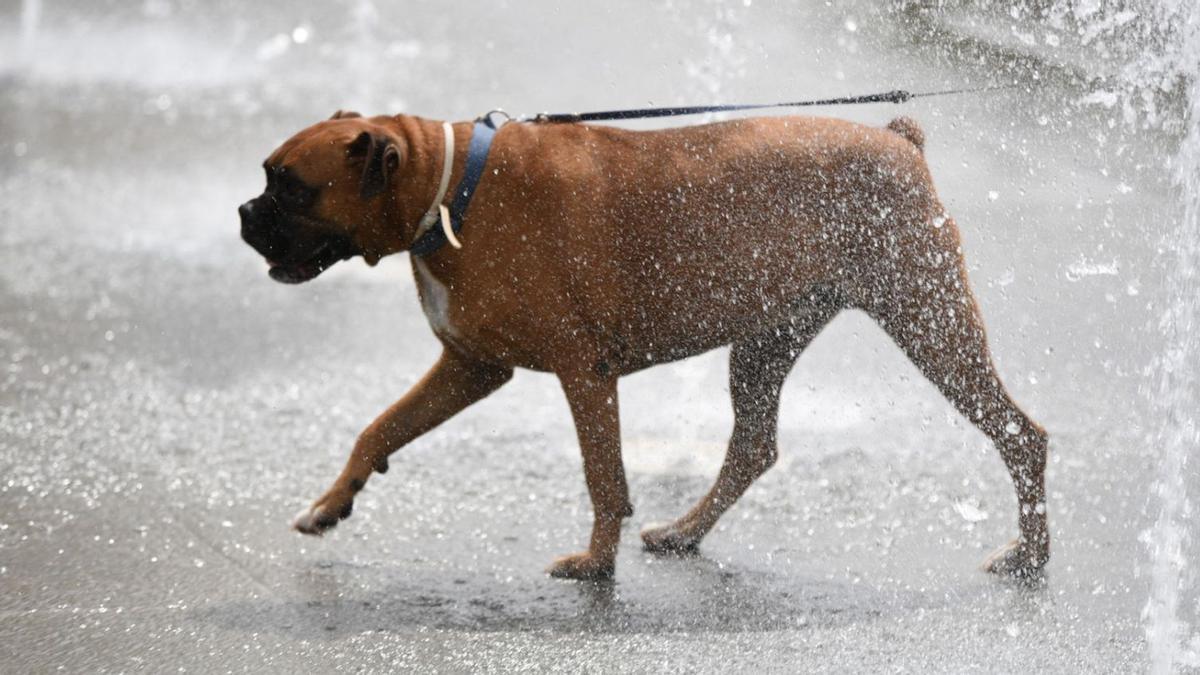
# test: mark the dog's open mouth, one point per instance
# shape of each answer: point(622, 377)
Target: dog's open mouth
point(324, 257)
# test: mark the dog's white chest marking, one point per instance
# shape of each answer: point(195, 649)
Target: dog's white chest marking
point(435, 301)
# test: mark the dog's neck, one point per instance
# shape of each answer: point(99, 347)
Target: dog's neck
point(416, 183)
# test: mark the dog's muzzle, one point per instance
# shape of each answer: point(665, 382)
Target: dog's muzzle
point(295, 248)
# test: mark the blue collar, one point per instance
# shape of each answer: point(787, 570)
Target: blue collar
point(477, 154)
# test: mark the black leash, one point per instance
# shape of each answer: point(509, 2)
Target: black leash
point(896, 96)
point(485, 129)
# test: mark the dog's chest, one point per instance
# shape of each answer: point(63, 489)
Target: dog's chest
point(435, 302)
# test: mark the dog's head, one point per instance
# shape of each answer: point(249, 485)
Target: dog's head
point(326, 195)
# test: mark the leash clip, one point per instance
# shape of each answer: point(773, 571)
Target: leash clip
point(548, 118)
point(487, 118)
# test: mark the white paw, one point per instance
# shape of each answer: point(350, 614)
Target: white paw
point(313, 520)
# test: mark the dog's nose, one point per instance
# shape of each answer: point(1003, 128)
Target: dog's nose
point(251, 229)
point(252, 232)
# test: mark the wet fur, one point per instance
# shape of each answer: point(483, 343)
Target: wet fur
point(593, 252)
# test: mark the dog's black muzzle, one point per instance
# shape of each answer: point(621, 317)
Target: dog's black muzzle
point(296, 247)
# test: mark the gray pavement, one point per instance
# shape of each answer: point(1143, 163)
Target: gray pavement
point(165, 407)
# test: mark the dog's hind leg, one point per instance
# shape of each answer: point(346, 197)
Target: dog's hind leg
point(928, 309)
point(757, 368)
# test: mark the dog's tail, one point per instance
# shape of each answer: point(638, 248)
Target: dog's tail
point(908, 129)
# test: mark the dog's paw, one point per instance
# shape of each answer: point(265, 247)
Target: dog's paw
point(583, 567)
point(667, 538)
point(1014, 561)
point(321, 516)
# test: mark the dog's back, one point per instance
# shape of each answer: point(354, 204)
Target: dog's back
point(738, 220)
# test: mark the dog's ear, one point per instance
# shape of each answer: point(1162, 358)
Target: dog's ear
point(344, 115)
point(380, 158)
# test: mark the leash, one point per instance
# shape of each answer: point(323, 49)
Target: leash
point(430, 239)
point(894, 96)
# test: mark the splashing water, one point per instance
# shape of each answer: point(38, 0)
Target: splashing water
point(1141, 61)
point(1152, 47)
point(719, 61)
point(1177, 377)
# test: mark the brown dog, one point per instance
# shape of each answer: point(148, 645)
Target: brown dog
point(593, 252)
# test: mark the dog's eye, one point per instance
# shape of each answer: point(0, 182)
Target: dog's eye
point(296, 196)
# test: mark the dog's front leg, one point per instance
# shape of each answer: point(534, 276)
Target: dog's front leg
point(593, 402)
point(453, 383)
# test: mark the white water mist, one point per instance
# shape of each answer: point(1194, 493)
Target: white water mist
point(1178, 375)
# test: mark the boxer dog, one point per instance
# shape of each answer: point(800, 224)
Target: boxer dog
point(592, 252)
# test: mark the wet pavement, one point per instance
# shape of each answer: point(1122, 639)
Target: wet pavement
point(165, 407)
